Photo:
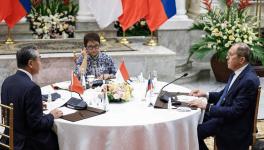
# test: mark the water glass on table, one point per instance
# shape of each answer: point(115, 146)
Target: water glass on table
point(90, 79)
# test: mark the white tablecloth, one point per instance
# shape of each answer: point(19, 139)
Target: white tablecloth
point(129, 126)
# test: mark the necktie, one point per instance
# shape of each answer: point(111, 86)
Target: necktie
point(222, 98)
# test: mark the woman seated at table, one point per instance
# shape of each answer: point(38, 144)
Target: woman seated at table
point(92, 61)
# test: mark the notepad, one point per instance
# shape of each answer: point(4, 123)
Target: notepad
point(83, 114)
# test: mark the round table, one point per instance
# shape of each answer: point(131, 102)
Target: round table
point(128, 126)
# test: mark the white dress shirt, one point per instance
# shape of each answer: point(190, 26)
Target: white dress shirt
point(237, 73)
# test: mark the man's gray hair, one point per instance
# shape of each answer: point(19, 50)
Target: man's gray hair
point(243, 50)
point(25, 54)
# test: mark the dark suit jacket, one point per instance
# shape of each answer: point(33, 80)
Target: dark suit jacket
point(32, 129)
point(236, 112)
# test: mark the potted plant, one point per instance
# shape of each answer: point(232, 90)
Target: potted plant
point(223, 27)
point(51, 19)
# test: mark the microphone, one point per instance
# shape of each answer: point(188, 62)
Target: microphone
point(164, 96)
point(74, 103)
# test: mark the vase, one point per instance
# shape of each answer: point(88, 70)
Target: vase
point(259, 70)
point(222, 73)
point(220, 69)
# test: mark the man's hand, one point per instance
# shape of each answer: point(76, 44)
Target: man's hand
point(44, 105)
point(197, 93)
point(198, 103)
point(56, 113)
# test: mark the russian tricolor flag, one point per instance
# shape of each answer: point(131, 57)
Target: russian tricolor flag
point(13, 10)
point(128, 12)
point(159, 11)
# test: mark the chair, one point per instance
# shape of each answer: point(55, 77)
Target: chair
point(255, 118)
point(7, 119)
point(254, 122)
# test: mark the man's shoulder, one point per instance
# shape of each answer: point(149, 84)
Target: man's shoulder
point(251, 77)
point(19, 81)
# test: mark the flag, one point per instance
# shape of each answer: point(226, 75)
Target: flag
point(122, 73)
point(159, 11)
point(105, 11)
point(76, 85)
point(17, 10)
point(133, 11)
point(4, 9)
point(149, 87)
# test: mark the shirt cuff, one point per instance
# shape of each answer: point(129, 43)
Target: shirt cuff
point(207, 95)
point(208, 107)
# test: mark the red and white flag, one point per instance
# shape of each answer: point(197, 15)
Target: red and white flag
point(122, 73)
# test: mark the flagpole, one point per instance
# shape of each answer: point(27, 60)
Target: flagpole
point(9, 39)
point(74, 57)
point(124, 40)
point(152, 41)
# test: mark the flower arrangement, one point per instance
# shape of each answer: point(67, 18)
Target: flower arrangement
point(225, 26)
point(138, 29)
point(118, 92)
point(53, 19)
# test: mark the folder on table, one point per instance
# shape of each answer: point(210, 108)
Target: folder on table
point(174, 100)
point(83, 114)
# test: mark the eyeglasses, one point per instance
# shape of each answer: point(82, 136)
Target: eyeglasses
point(91, 47)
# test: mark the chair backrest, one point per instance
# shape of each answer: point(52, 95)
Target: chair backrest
point(7, 121)
point(256, 117)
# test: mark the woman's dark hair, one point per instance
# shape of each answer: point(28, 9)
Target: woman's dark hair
point(92, 36)
point(25, 54)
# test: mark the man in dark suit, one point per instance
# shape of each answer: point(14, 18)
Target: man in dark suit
point(230, 112)
point(32, 129)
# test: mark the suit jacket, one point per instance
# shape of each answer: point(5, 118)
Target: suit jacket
point(236, 111)
point(32, 129)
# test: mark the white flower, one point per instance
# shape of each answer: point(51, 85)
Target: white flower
point(142, 23)
point(238, 40)
point(227, 44)
point(214, 47)
point(131, 28)
point(231, 38)
point(46, 36)
point(116, 96)
point(64, 35)
point(245, 36)
point(39, 31)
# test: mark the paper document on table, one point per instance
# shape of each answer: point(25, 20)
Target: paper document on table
point(55, 104)
point(67, 110)
point(185, 98)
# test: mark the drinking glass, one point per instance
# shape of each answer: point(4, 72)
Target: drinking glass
point(90, 79)
point(155, 78)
